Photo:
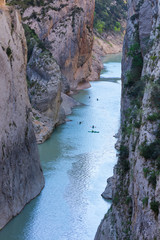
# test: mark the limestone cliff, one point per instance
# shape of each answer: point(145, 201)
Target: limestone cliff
point(21, 177)
point(134, 213)
point(66, 29)
point(60, 39)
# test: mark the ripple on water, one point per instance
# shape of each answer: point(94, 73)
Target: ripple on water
point(76, 164)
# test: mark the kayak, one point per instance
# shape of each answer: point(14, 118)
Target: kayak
point(93, 131)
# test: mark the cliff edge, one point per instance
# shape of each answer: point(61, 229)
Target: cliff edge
point(60, 40)
point(134, 213)
point(21, 177)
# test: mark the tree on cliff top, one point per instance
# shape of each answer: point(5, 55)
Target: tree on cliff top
point(109, 14)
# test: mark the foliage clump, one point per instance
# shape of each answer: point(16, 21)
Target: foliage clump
point(123, 158)
point(109, 14)
point(32, 40)
point(155, 207)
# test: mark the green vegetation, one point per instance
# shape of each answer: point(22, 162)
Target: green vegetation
point(158, 163)
point(135, 52)
point(23, 4)
point(128, 200)
point(100, 26)
point(153, 117)
point(155, 95)
point(145, 202)
point(116, 198)
point(135, 83)
point(146, 172)
point(32, 40)
point(155, 207)
point(123, 158)
point(153, 179)
point(109, 15)
point(134, 86)
point(150, 151)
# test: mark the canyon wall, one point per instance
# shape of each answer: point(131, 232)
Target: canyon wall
point(21, 177)
point(134, 213)
point(66, 29)
point(60, 40)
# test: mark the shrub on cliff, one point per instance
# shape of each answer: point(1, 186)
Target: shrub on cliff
point(155, 207)
point(123, 158)
point(27, 3)
point(32, 40)
point(150, 151)
point(109, 14)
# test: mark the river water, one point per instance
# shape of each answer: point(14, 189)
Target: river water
point(76, 164)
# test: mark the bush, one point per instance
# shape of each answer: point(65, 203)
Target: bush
point(32, 40)
point(137, 124)
point(155, 96)
point(145, 201)
point(100, 26)
point(123, 152)
point(117, 27)
point(158, 163)
point(150, 151)
point(155, 207)
point(26, 3)
point(135, 52)
point(110, 14)
point(128, 200)
point(123, 158)
point(153, 179)
point(146, 172)
point(153, 117)
point(157, 133)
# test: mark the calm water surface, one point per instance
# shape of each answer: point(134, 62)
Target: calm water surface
point(76, 164)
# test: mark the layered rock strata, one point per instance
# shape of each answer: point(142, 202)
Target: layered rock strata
point(21, 177)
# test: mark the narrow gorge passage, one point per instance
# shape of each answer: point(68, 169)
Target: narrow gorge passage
point(76, 164)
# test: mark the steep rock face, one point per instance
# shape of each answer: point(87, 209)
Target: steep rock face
point(21, 177)
point(44, 88)
point(66, 29)
point(60, 40)
point(136, 182)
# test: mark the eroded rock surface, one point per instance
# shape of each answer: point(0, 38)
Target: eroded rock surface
point(21, 177)
point(67, 31)
point(60, 40)
point(136, 200)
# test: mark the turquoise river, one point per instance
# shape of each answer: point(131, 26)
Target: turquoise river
point(76, 165)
